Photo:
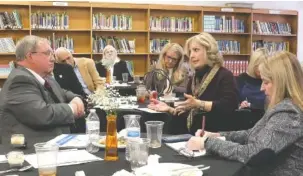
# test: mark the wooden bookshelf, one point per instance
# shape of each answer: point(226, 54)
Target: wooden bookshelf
point(82, 31)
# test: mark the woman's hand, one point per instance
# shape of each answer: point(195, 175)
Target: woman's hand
point(206, 134)
point(244, 104)
point(189, 103)
point(196, 143)
point(158, 106)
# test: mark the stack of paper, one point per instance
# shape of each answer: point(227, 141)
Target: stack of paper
point(182, 149)
point(70, 141)
point(67, 157)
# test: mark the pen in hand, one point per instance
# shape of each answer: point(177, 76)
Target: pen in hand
point(203, 126)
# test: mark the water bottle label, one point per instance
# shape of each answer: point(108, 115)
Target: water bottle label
point(133, 134)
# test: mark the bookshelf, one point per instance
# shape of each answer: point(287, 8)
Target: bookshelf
point(142, 28)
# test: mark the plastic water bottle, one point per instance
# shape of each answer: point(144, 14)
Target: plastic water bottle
point(92, 130)
point(132, 132)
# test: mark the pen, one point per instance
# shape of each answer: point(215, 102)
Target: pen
point(203, 126)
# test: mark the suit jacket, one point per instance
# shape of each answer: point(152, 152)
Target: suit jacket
point(89, 73)
point(119, 68)
point(27, 108)
point(280, 130)
point(66, 77)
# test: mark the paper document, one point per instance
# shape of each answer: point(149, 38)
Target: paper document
point(70, 140)
point(3, 159)
point(148, 110)
point(67, 157)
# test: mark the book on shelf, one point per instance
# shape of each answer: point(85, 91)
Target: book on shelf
point(122, 45)
point(260, 27)
point(171, 24)
point(61, 41)
point(156, 45)
point(42, 20)
point(230, 24)
point(236, 66)
point(112, 22)
point(7, 45)
point(271, 46)
point(10, 20)
point(5, 70)
point(229, 46)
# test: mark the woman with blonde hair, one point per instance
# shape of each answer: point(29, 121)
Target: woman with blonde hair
point(249, 83)
point(276, 141)
point(212, 89)
point(170, 60)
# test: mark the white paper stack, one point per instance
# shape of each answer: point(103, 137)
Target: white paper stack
point(67, 157)
point(70, 141)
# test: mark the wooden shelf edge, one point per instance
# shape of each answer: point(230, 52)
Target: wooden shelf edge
point(168, 32)
point(275, 12)
point(5, 54)
point(14, 3)
point(175, 7)
point(229, 33)
point(276, 35)
point(3, 77)
point(126, 31)
point(226, 10)
point(61, 30)
point(70, 4)
point(24, 29)
point(120, 6)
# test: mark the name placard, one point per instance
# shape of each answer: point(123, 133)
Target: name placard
point(274, 12)
point(60, 3)
point(227, 9)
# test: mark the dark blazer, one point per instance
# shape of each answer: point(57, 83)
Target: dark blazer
point(26, 107)
point(119, 68)
point(66, 77)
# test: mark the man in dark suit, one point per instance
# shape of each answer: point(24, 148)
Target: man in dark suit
point(31, 101)
point(113, 64)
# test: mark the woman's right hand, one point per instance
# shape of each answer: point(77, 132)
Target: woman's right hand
point(244, 104)
point(158, 106)
point(206, 134)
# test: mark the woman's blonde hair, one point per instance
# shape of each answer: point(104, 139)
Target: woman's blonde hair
point(257, 57)
point(178, 75)
point(212, 52)
point(284, 71)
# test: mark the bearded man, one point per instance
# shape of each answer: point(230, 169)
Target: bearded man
point(111, 65)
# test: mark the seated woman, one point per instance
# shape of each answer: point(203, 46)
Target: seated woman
point(171, 61)
point(249, 83)
point(111, 65)
point(278, 134)
point(212, 89)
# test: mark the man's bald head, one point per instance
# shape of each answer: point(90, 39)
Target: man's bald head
point(63, 55)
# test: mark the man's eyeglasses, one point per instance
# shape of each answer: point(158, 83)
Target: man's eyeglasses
point(47, 53)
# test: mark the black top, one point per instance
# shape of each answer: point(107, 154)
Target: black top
point(119, 68)
point(249, 88)
point(222, 91)
point(67, 79)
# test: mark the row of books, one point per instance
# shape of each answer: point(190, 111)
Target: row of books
point(235, 66)
point(156, 45)
point(42, 20)
point(213, 23)
point(122, 45)
point(10, 20)
point(7, 45)
point(271, 27)
point(229, 46)
point(171, 24)
point(271, 46)
point(5, 70)
point(112, 22)
point(61, 41)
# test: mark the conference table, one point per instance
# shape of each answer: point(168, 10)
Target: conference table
point(218, 166)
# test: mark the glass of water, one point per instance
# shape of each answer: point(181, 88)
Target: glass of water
point(154, 133)
point(138, 150)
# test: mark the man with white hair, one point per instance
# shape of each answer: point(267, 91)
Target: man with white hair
point(84, 68)
point(111, 65)
point(31, 102)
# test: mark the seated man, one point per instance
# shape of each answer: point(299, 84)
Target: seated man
point(31, 101)
point(112, 64)
point(84, 68)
